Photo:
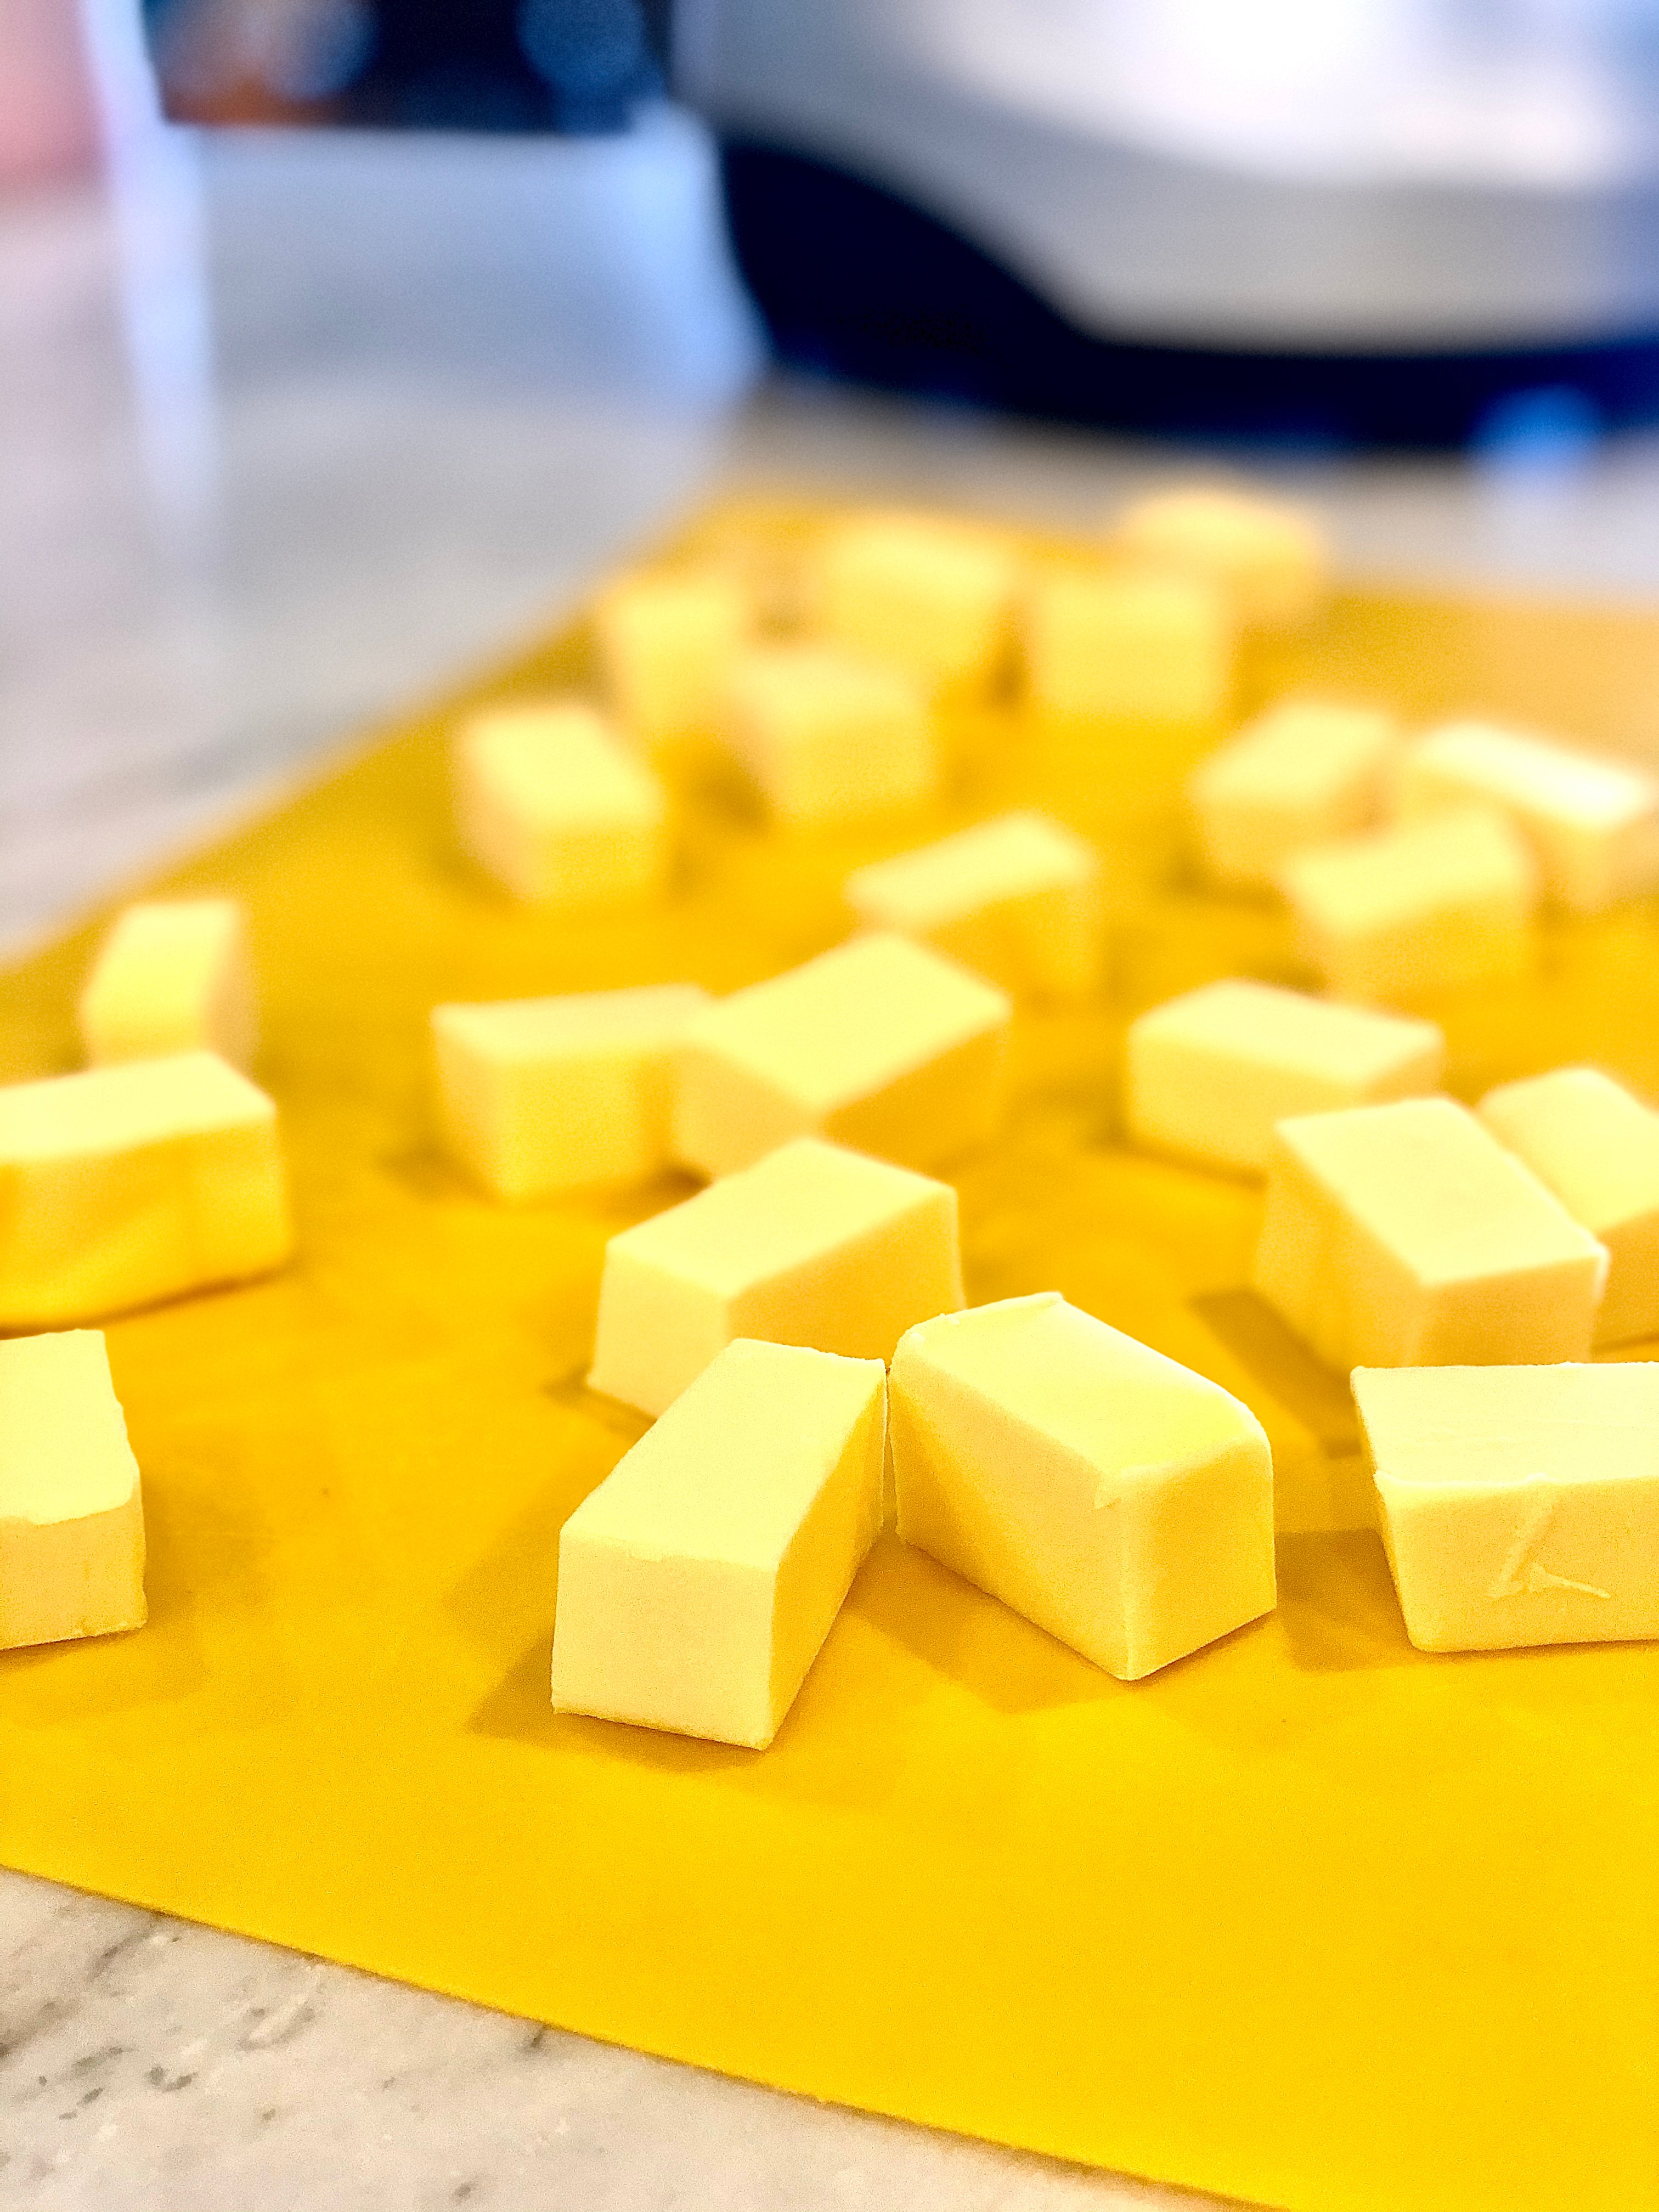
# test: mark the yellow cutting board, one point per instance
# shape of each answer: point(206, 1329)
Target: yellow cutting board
point(1308, 1918)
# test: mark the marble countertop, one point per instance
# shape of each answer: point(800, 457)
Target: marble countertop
point(344, 419)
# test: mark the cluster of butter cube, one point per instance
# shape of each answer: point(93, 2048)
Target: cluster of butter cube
point(1462, 1265)
point(155, 1172)
point(828, 709)
point(798, 1332)
point(1415, 865)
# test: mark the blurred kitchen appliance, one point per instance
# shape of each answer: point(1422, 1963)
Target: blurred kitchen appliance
point(1406, 221)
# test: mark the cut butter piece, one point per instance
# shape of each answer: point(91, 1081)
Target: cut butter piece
point(1593, 824)
point(1017, 900)
point(878, 1044)
point(1110, 1495)
point(551, 805)
point(827, 735)
point(1597, 1148)
point(1121, 641)
point(1519, 1505)
point(698, 1582)
point(1423, 907)
point(931, 596)
point(813, 1245)
point(537, 1097)
point(1270, 555)
point(71, 1514)
point(667, 644)
point(1404, 1235)
point(1303, 773)
point(172, 975)
point(1206, 1076)
point(123, 1185)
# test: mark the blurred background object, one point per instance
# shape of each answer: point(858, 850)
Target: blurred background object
point(48, 124)
point(1384, 221)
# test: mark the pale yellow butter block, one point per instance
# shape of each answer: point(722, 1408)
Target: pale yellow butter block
point(812, 1245)
point(667, 644)
point(698, 1583)
point(552, 806)
point(1519, 1505)
point(173, 975)
point(1404, 1235)
point(931, 596)
point(1206, 1076)
point(71, 1515)
point(1593, 824)
point(541, 1095)
point(1017, 900)
point(1303, 773)
point(1110, 1495)
point(1118, 641)
point(127, 1184)
point(828, 735)
point(878, 1044)
point(1596, 1146)
point(1269, 554)
point(1428, 906)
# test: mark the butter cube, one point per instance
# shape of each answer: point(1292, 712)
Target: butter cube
point(827, 736)
point(667, 644)
point(71, 1518)
point(1425, 907)
point(878, 1044)
point(1520, 1505)
point(698, 1582)
point(812, 1245)
point(555, 809)
point(1597, 1148)
point(1593, 824)
point(933, 597)
point(1299, 774)
point(1019, 900)
point(1269, 554)
point(1113, 640)
point(541, 1096)
point(1404, 1235)
point(1208, 1076)
point(172, 975)
point(127, 1184)
point(1110, 1495)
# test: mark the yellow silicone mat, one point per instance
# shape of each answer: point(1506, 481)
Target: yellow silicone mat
point(1308, 1918)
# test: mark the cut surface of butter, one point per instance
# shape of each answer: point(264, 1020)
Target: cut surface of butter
point(1596, 1146)
point(698, 1582)
point(1303, 773)
point(1519, 1505)
point(1114, 1497)
point(552, 806)
point(540, 1096)
point(1269, 554)
point(1424, 907)
point(878, 1044)
point(127, 1184)
point(71, 1515)
point(1118, 641)
point(1206, 1076)
point(1017, 900)
point(666, 643)
point(172, 975)
point(812, 1245)
point(828, 735)
point(928, 595)
point(1404, 1235)
point(1593, 824)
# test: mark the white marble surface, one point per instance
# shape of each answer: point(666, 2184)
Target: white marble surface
point(448, 383)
